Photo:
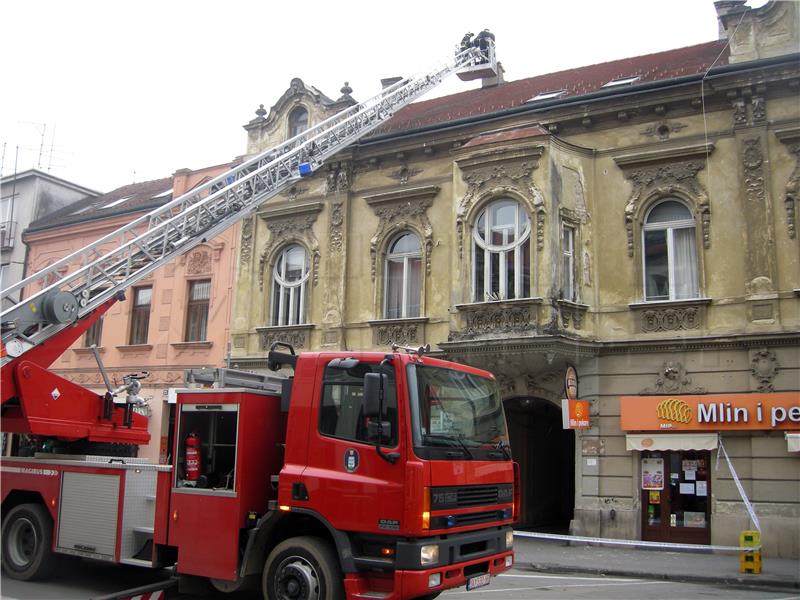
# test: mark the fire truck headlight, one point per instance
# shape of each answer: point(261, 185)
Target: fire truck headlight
point(429, 555)
point(509, 539)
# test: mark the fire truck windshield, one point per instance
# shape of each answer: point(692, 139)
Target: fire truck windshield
point(456, 415)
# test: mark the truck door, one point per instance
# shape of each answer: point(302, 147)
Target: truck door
point(346, 480)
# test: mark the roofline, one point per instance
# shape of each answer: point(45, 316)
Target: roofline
point(142, 208)
point(596, 96)
point(36, 172)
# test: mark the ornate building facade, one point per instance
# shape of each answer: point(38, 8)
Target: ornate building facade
point(636, 220)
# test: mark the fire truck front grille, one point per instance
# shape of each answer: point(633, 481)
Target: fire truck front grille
point(470, 495)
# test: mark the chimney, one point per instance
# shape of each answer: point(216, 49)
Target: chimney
point(758, 33)
point(487, 82)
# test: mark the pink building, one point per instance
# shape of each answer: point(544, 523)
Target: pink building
point(174, 319)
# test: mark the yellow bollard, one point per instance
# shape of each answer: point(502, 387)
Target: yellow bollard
point(750, 561)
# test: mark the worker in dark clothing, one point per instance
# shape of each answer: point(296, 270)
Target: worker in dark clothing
point(466, 41)
point(482, 42)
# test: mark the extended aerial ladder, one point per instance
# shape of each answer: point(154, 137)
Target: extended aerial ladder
point(63, 302)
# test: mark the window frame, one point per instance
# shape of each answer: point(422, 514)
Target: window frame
point(670, 227)
point(94, 335)
point(403, 257)
point(293, 118)
point(299, 316)
point(521, 244)
point(137, 312)
point(196, 306)
point(569, 286)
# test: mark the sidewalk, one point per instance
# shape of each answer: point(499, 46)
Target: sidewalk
point(548, 556)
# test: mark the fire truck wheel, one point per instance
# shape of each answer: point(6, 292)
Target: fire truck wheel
point(27, 539)
point(302, 568)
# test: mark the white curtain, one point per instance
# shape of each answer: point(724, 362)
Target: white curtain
point(685, 263)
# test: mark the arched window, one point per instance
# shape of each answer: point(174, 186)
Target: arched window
point(670, 253)
point(289, 277)
point(298, 121)
point(501, 252)
point(403, 277)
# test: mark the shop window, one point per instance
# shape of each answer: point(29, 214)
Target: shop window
point(403, 277)
point(197, 311)
point(94, 334)
point(670, 253)
point(501, 252)
point(210, 429)
point(342, 413)
point(289, 286)
point(298, 121)
point(140, 315)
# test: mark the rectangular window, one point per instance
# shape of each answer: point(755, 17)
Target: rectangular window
point(342, 413)
point(568, 253)
point(197, 311)
point(140, 315)
point(94, 334)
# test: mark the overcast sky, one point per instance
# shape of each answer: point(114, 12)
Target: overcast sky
point(125, 90)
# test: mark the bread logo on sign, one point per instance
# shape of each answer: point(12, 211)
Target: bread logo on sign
point(674, 409)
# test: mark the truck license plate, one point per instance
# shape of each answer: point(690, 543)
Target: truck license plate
point(478, 581)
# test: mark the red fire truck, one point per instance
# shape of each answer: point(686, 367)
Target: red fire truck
point(357, 475)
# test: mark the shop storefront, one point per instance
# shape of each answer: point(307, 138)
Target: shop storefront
point(677, 439)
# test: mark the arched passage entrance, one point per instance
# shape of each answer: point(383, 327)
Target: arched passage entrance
point(546, 456)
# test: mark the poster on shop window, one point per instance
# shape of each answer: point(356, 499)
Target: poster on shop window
point(652, 473)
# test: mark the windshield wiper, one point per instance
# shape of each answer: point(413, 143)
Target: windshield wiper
point(457, 439)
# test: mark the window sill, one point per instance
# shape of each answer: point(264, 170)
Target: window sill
point(669, 303)
point(191, 345)
point(135, 348)
point(87, 351)
point(499, 304)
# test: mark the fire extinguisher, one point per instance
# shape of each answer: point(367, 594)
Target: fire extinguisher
point(192, 457)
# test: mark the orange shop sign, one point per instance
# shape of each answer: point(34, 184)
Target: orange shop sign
point(710, 412)
point(575, 414)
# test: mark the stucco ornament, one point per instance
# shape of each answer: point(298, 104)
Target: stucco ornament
point(660, 181)
point(673, 380)
point(793, 193)
point(764, 367)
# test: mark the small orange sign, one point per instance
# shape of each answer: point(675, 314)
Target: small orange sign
point(575, 414)
point(712, 412)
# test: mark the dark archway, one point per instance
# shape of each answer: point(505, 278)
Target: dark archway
point(546, 456)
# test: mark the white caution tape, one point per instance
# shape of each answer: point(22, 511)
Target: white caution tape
point(739, 487)
point(642, 543)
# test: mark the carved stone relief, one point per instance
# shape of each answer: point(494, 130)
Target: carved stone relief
point(199, 262)
point(792, 197)
point(673, 380)
point(673, 318)
point(764, 367)
point(246, 253)
point(297, 337)
point(495, 318)
point(398, 333)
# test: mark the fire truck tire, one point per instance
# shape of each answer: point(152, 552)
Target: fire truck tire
point(302, 568)
point(27, 541)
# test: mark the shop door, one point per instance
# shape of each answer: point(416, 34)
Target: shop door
point(676, 492)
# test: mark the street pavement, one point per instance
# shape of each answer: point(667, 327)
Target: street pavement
point(546, 556)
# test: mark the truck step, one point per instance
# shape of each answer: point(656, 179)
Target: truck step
point(371, 595)
point(138, 562)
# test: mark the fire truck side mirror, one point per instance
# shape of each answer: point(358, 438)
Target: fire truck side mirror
point(374, 384)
